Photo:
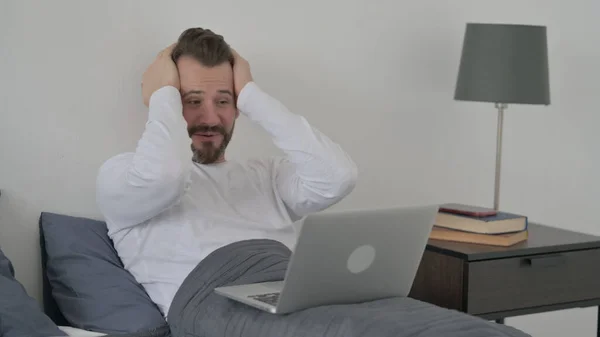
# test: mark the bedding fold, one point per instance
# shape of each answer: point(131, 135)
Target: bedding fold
point(198, 311)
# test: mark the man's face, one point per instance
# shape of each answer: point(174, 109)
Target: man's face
point(208, 107)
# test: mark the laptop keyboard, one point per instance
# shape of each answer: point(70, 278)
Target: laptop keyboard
point(270, 298)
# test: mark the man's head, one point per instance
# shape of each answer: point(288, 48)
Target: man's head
point(203, 60)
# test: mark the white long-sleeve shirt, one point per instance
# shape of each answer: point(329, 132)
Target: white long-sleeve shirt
point(165, 213)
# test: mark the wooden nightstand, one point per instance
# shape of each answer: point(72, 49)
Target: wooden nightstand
point(554, 269)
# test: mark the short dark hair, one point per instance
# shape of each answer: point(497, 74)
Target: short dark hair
point(203, 45)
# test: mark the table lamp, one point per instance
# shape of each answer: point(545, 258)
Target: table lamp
point(503, 64)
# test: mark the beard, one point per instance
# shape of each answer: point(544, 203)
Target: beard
point(208, 153)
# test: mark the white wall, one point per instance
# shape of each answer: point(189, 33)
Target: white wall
point(377, 76)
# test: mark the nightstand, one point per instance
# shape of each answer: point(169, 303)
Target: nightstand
point(554, 269)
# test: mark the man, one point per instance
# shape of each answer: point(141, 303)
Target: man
point(176, 198)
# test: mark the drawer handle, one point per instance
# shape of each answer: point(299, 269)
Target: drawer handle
point(545, 261)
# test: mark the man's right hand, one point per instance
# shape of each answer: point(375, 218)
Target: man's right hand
point(161, 73)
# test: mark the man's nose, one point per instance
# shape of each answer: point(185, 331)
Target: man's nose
point(208, 116)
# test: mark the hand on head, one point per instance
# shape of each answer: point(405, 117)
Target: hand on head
point(241, 72)
point(162, 72)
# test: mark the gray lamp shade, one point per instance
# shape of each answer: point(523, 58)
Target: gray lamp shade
point(504, 63)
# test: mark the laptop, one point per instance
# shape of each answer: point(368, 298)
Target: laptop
point(346, 257)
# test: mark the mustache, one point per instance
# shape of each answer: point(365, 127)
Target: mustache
point(206, 128)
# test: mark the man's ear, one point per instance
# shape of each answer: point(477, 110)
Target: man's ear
point(235, 101)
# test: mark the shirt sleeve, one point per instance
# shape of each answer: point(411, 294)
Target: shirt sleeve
point(134, 187)
point(315, 172)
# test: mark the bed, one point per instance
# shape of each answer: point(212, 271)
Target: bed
point(74, 332)
point(87, 292)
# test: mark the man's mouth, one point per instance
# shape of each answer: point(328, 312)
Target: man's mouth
point(206, 132)
point(207, 135)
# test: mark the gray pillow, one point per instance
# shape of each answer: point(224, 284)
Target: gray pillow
point(86, 279)
point(20, 314)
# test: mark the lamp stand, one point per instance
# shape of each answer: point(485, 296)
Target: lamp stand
point(501, 107)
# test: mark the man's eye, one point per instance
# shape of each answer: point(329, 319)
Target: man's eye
point(223, 101)
point(194, 102)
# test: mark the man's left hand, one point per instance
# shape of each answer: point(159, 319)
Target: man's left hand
point(241, 72)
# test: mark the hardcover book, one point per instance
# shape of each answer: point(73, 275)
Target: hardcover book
point(501, 222)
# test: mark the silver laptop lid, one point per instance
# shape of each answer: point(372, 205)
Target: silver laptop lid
point(359, 255)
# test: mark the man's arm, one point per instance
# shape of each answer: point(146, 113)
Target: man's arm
point(315, 172)
point(134, 187)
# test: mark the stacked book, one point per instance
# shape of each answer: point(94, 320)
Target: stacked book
point(480, 225)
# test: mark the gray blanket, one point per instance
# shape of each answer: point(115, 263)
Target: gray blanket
point(198, 311)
